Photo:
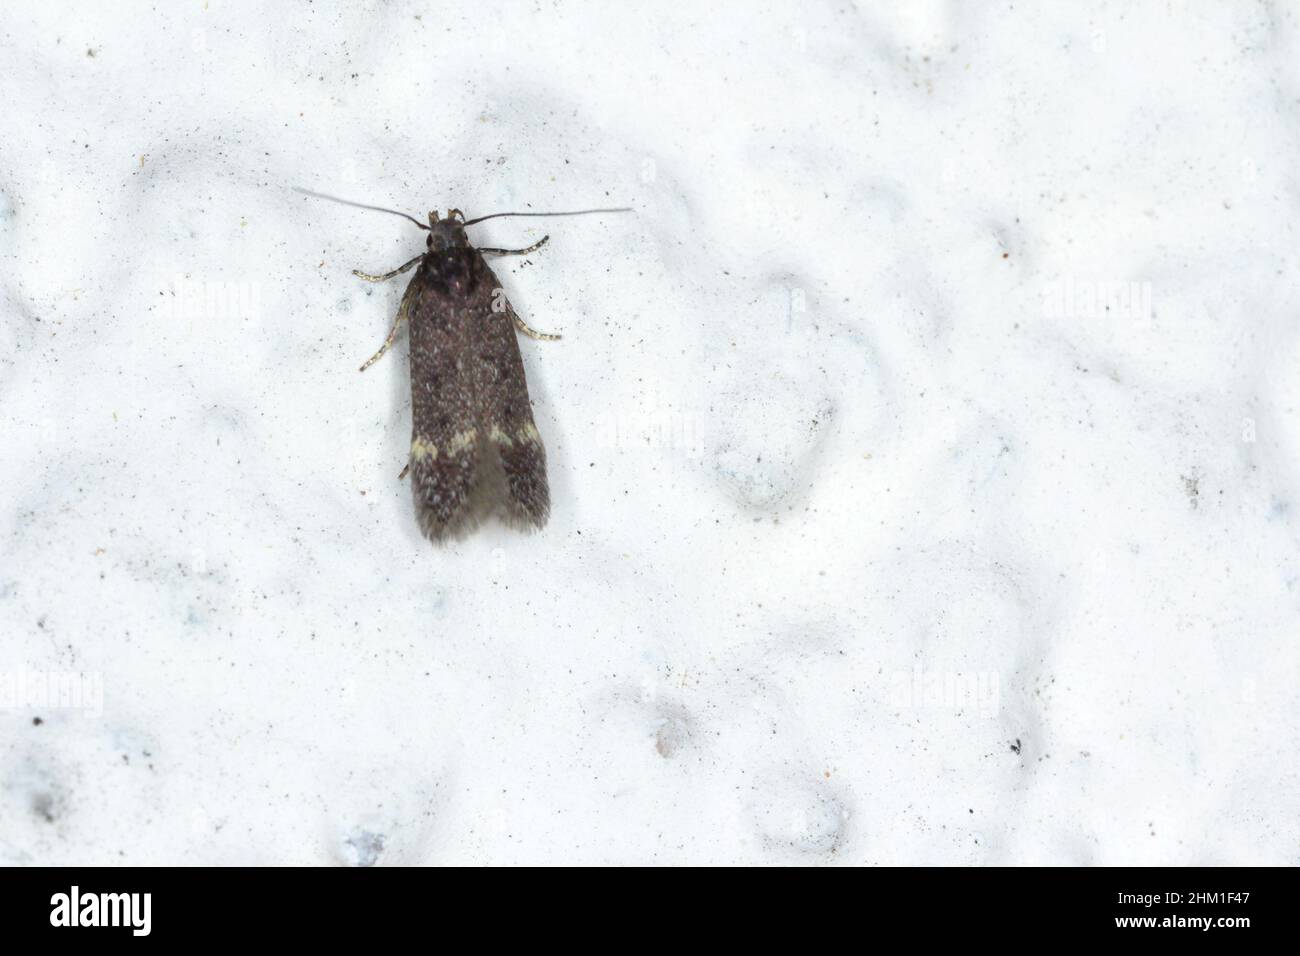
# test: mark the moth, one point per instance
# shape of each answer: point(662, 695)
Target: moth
point(476, 452)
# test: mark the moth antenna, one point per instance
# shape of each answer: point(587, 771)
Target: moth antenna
point(580, 212)
point(360, 205)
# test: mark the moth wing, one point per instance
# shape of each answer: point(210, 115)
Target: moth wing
point(514, 458)
point(447, 310)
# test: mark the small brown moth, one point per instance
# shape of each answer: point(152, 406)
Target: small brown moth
point(475, 449)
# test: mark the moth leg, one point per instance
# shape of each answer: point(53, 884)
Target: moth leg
point(516, 252)
point(387, 275)
point(401, 317)
point(404, 471)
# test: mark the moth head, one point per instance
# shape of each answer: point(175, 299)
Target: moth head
point(447, 233)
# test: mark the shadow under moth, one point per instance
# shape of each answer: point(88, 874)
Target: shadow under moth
point(475, 449)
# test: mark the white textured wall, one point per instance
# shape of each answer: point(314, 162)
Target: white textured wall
point(924, 451)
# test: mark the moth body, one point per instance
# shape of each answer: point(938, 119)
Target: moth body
point(475, 450)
